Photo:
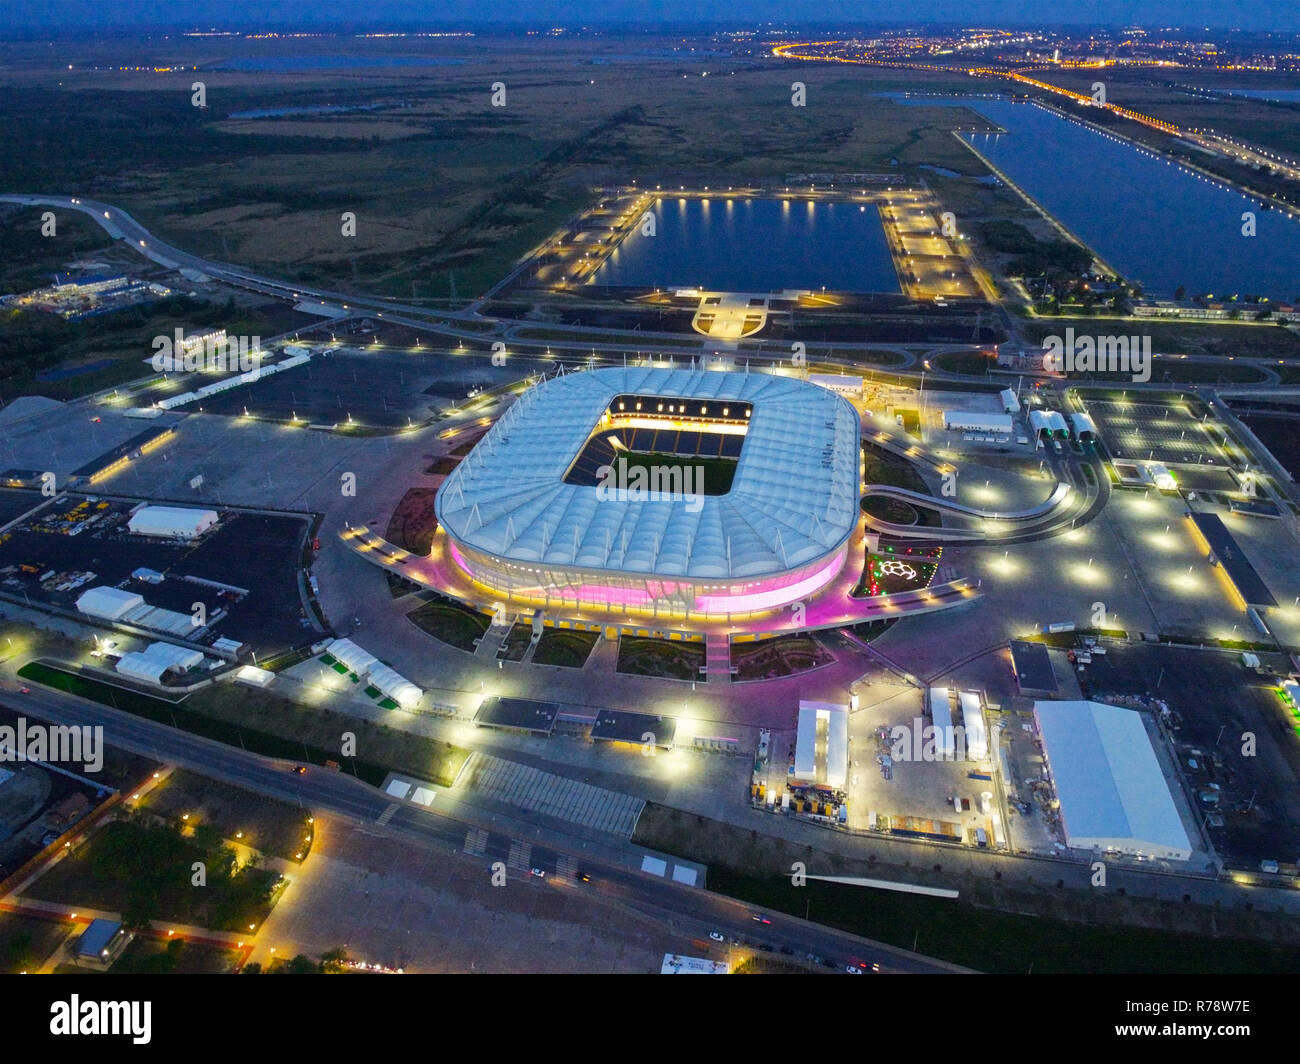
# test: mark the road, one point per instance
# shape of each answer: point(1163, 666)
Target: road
point(683, 911)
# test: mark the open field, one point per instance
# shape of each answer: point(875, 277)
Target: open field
point(268, 826)
point(443, 184)
point(1176, 337)
point(25, 941)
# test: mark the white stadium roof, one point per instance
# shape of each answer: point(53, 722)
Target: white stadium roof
point(1112, 791)
point(794, 497)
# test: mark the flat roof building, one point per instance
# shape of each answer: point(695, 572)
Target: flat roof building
point(622, 726)
point(517, 714)
point(1032, 666)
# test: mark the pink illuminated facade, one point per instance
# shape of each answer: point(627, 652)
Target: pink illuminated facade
point(527, 517)
point(534, 585)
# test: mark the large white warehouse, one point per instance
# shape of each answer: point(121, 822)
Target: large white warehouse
point(108, 603)
point(171, 522)
point(1112, 790)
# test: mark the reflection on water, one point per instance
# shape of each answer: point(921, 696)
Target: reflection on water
point(755, 245)
point(1152, 220)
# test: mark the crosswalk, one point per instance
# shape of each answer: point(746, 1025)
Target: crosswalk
point(387, 814)
point(476, 842)
point(520, 855)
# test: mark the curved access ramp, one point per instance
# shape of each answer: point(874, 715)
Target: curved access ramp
point(1063, 507)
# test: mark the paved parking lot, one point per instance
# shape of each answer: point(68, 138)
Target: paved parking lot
point(1156, 430)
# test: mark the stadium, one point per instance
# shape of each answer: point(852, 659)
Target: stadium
point(658, 492)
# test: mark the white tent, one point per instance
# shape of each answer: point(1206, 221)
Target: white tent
point(152, 663)
point(108, 603)
point(972, 718)
point(394, 685)
point(347, 653)
point(171, 522)
point(1112, 790)
point(822, 743)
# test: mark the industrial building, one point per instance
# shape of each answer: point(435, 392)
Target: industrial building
point(1048, 423)
point(945, 735)
point(108, 603)
point(972, 720)
point(1010, 401)
point(1223, 547)
point(171, 522)
point(1108, 780)
point(101, 944)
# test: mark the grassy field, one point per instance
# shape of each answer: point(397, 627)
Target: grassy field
point(704, 476)
point(563, 646)
point(882, 467)
point(413, 522)
point(446, 188)
point(783, 656)
point(665, 658)
point(145, 871)
point(1178, 337)
point(271, 827)
point(517, 641)
point(26, 941)
point(449, 622)
point(151, 956)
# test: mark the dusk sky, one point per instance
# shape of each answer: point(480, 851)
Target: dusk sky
point(1240, 14)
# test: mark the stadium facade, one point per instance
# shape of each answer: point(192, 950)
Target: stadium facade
point(738, 494)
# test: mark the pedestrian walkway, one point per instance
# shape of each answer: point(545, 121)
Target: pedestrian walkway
point(717, 658)
point(533, 790)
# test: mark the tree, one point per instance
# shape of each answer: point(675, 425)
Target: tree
point(332, 961)
point(1180, 293)
point(300, 965)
